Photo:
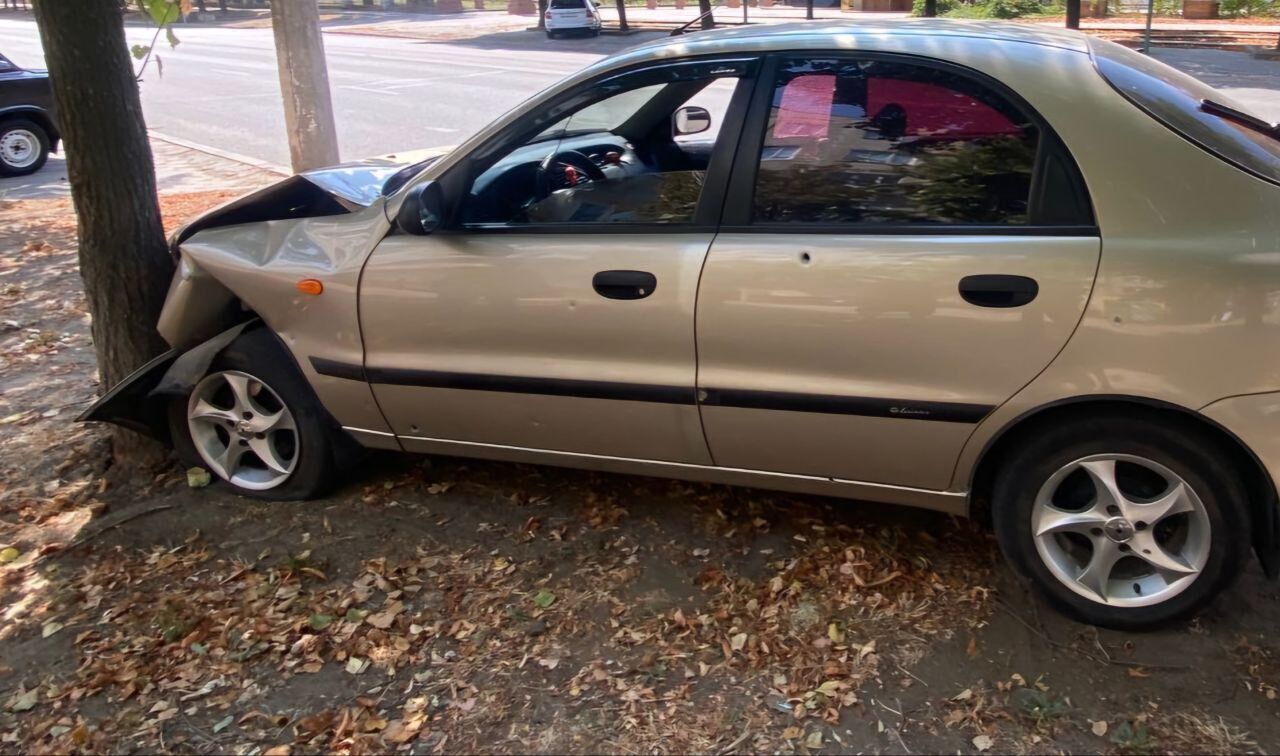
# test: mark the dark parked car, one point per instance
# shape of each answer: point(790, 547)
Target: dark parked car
point(28, 127)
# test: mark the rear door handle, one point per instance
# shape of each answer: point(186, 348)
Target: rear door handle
point(624, 284)
point(991, 290)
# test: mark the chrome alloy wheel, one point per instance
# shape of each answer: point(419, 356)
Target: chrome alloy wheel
point(243, 430)
point(1121, 530)
point(19, 148)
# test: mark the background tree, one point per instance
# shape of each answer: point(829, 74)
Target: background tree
point(1073, 14)
point(704, 9)
point(622, 16)
point(123, 257)
point(304, 84)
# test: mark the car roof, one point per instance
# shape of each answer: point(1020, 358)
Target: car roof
point(766, 37)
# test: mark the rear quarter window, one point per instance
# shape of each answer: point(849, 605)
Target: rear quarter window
point(1174, 99)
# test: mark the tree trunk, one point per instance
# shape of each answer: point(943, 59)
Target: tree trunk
point(930, 8)
point(304, 84)
point(622, 16)
point(704, 9)
point(1073, 14)
point(123, 258)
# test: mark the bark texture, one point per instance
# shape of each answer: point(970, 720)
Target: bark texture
point(704, 9)
point(622, 16)
point(123, 259)
point(1073, 14)
point(304, 83)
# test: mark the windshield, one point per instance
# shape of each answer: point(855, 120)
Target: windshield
point(605, 115)
point(1177, 101)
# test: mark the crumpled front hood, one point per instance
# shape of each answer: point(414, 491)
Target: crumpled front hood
point(361, 182)
point(337, 190)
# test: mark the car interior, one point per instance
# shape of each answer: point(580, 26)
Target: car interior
point(636, 155)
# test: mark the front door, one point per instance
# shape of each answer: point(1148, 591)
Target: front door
point(908, 246)
point(557, 314)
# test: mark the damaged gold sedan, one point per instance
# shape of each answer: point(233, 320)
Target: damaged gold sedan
point(993, 270)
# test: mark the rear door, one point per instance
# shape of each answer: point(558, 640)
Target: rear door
point(904, 246)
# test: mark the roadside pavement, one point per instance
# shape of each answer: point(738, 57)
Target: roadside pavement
point(180, 168)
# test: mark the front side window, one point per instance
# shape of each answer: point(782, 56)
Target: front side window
point(620, 158)
point(880, 142)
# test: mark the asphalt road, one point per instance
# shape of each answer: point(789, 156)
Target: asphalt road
point(220, 86)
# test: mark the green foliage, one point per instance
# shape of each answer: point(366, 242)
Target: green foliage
point(944, 7)
point(164, 13)
point(993, 8)
point(1014, 8)
point(1041, 707)
point(1237, 8)
point(1133, 738)
point(958, 180)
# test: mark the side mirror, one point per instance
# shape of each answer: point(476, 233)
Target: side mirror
point(422, 211)
point(691, 120)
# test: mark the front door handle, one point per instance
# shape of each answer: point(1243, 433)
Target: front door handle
point(998, 290)
point(624, 284)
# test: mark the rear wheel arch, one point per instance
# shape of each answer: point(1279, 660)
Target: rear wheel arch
point(38, 117)
point(1260, 489)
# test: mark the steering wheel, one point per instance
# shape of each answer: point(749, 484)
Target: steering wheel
point(573, 162)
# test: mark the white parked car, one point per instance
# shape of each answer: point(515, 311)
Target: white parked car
point(572, 16)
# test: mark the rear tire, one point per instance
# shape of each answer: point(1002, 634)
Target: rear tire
point(551, 34)
point(255, 423)
point(1087, 509)
point(24, 147)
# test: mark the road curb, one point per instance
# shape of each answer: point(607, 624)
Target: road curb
point(224, 154)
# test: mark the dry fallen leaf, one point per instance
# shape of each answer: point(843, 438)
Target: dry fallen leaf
point(983, 743)
point(198, 477)
point(1099, 728)
point(356, 665)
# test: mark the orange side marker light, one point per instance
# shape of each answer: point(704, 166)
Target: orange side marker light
point(311, 286)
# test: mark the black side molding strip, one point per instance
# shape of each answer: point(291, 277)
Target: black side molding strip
point(335, 369)
point(902, 409)
point(631, 392)
point(945, 412)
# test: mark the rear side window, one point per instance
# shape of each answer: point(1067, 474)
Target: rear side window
point(1177, 101)
point(886, 142)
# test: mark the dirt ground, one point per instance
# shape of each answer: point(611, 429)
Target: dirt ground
point(443, 605)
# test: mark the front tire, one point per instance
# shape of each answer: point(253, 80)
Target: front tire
point(1122, 522)
point(24, 147)
point(255, 424)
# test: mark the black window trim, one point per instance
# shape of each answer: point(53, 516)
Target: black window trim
point(715, 186)
point(739, 201)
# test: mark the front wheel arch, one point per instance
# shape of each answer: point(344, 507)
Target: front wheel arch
point(1260, 489)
